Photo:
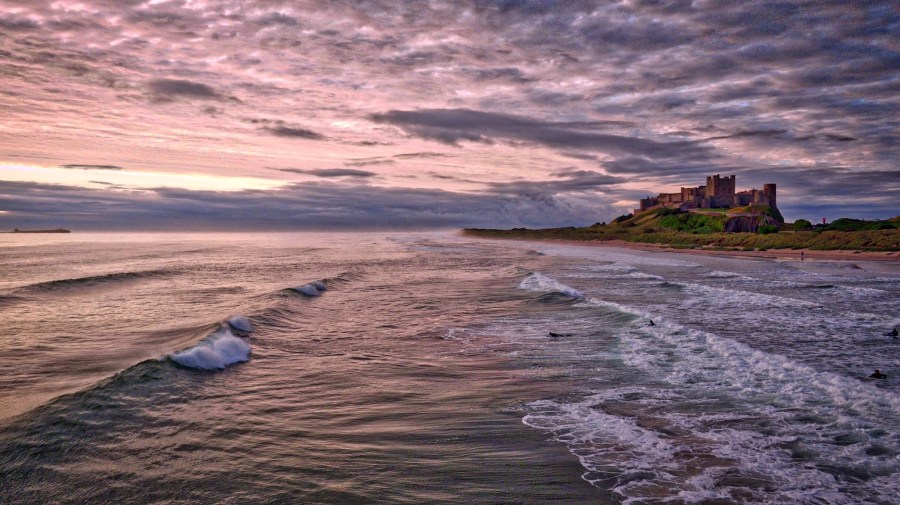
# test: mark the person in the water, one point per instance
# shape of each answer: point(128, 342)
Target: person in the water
point(651, 323)
point(895, 332)
point(878, 375)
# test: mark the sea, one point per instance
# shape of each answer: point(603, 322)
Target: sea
point(434, 368)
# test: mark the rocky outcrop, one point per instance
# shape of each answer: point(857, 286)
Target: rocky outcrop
point(748, 223)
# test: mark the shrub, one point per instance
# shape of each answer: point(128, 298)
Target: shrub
point(767, 229)
point(847, 224)
point(693, 223)
point(668, 211)
point(801, 224)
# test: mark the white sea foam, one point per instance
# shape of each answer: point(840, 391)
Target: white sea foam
point(769, 387)
point(718, 274)
point(662, 448)
point(644, 275)
point(214, 352)
point(539, 282)
point(613, 271)
point(614, 268)
point(740, 298)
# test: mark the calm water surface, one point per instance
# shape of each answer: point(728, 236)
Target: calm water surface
point(417, 368)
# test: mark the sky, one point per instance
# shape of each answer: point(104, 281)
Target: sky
point(282, 115)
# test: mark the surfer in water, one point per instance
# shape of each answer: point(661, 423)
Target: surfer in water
point(651, 323)
point(894, 333)
point(878, 375)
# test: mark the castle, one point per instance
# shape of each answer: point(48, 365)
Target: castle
point(718, 193)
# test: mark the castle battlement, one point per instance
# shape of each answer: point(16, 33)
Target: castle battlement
point(718, 193)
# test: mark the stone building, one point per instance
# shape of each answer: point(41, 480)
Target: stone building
point(718, 193)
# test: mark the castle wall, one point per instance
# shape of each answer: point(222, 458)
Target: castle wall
point(719, 192)
point(647, 203)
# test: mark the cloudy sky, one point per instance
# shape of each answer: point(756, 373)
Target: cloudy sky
point(277, 114)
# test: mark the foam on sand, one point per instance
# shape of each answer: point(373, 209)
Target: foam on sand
point(729, 419)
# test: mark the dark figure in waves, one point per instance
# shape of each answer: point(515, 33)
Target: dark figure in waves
point(553, 334)
point(878, 375)
point(651, 323)
point(893, 333)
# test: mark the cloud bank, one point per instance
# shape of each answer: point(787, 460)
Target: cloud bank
point(572, 109)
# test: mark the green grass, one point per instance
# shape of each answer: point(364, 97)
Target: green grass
point(692, 222)
point(697, 230)
point(846, 224)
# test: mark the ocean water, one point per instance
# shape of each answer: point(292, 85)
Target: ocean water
point(420, 368)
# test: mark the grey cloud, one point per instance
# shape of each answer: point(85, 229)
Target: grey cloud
point(371, 143)
point(330, 172)
point(169, 89)
point(629, 87)
point(580, 156)
point(453, 125)
point(15, 24)
point(750, 133)
point(293, 132)
point(92, 167)
point(637, 33)
point(276, 18)
point(421, 155)
point(489, 74)
point(168, 17)
point(839, 138)
point(362, 162)
point(666, 170)
point(302, 206)
point(572, 181)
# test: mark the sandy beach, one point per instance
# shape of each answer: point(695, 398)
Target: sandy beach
point(796, 254)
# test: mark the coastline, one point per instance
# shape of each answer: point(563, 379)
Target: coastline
point(794, 254)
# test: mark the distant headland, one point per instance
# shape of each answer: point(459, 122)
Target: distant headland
point(715, 217)
point(57, 230)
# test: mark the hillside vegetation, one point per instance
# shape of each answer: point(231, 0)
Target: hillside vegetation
point(706, 229)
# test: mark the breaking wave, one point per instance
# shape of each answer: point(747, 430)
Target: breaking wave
point(541, 283)
point(219, 349)
point(311, 289)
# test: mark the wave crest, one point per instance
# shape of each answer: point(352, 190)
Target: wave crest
point(90, 281)
point(216, 351)
point(539, 282)
point(314, 288)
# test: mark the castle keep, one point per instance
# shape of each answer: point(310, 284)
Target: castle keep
point(718, 193)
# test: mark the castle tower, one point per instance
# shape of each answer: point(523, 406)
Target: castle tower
point(719, 191)
point(769, 190)
point(717, 185)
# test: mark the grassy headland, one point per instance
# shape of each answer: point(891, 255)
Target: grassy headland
point(706, 229)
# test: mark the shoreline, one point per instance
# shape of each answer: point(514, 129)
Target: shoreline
point(794, 254)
